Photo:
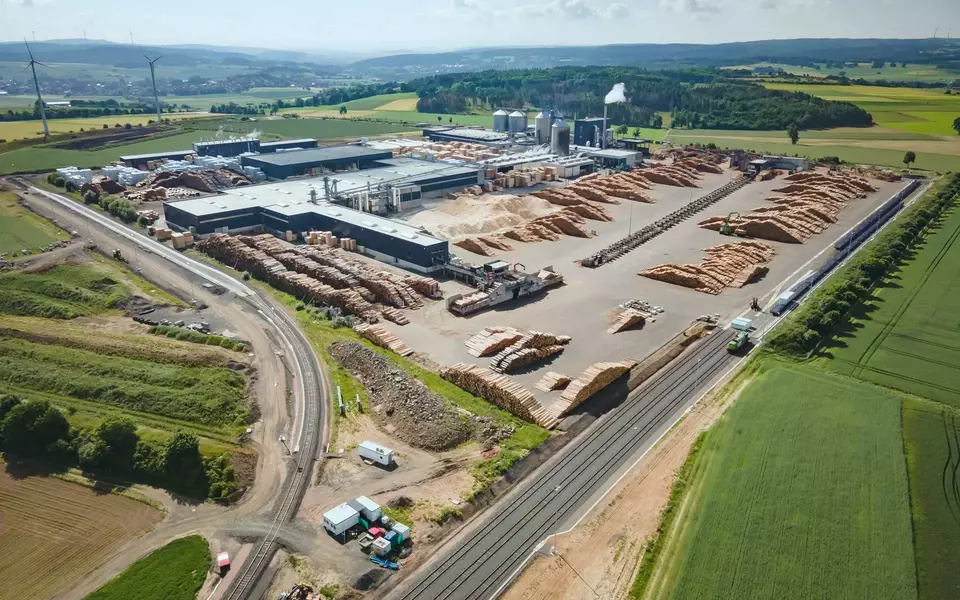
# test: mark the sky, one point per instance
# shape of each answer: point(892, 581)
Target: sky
point(383, 26)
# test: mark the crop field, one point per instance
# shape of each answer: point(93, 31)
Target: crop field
point(14, 70)
point(17, 130)
point(55, 532)
point(21, 229)
point(799, 496)
point(174, 572)
point(907, 337)
point(911, 72)
point(63, 292)
point(931, 437)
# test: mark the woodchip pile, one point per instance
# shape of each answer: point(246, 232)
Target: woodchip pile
point(383, 338)
point(678, 174)
point(725, 265)
point(486, 245)
point(768, 175)
point(491, 340)
point(550, 227)
point(552, 381)
point(812, 201)
point(500, 390)
point(528, 349)
point(591, 381)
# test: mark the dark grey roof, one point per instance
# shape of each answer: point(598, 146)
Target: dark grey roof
point(154, 155)
point(288, 142)
point(318, 155)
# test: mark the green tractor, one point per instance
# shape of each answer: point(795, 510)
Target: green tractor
point(726, 229)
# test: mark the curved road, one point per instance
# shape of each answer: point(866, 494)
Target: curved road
point(309, 392)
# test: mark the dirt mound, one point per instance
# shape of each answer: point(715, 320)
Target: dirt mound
point(726, 265)
point(403, 405)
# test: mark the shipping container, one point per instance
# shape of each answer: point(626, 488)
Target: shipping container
point(340, 519)
point(375, 452)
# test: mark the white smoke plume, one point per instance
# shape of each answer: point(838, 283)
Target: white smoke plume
point(616, 95)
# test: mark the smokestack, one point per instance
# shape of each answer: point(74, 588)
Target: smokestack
point(616, 95)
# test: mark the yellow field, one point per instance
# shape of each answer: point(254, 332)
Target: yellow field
point(404, 105)
point(54, 532)
point(16, 130)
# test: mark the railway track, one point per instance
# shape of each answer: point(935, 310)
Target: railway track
point(480, 566)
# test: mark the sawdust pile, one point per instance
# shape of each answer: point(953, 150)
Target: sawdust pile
point(811, 203)
point(725, 265)
point(470, 214)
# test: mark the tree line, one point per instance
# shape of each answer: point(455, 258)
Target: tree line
point(94, 109)
point(697, 98)
point(38, 430)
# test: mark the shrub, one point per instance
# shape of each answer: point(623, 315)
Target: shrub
point(71, 186)
point(90, 197)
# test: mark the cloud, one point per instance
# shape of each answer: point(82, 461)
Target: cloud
point(467, 4)
point(695, 7)
point(775, 4)
point(574, 9)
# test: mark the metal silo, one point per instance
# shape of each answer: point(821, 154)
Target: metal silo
point(500, 120)
point(542, 125)
point(560, 138)
point(518, 122)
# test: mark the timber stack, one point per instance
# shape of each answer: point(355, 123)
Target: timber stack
point(499, 390)
point(595, 378)
point(552, 381)
point(383, 338)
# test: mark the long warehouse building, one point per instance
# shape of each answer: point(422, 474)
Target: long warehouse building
point(304, 205)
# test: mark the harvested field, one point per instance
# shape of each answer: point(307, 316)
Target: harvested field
point(811, 203)
point(403, 406)
point(726, 265)
point(54, 532)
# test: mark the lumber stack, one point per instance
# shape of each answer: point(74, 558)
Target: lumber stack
point(395, 316)
point(383, 338)
point(725, 265)
point(501, 391)
point(491, 340)
point(627, 320)
point(528, 349)
point(591, 381)
point(552, 381)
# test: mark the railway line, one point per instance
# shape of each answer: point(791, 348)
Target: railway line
point(481, 565)
point(303, 363)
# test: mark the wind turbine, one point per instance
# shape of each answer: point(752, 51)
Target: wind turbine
point(153, 77)
point(33, 67)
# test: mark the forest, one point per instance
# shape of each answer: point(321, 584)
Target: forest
point(696, 98)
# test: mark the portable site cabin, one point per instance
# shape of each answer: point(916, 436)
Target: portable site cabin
point(373, 451)
point(369, 509)
point(223, 562)
point(340, 519)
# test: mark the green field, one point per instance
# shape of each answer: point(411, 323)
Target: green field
point(931, 437)
point(173, 572)
point(910, 73)
point(21, 229)
point(907, 337)
point(801, 493)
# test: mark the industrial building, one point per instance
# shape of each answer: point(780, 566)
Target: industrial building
point(140, 161)
point(464, 134)
point(588, 132)
point(282, 165)
point(610, 157)
point(232, 147)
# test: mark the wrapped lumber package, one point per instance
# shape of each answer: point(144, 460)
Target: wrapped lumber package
point(383, 338)
point(500, 390)
point(552, 381)
point(592, 380)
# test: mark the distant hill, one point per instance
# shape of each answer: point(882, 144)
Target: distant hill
point(800, 51)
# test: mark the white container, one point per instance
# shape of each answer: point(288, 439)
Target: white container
point(375, 452)
point(741, 324)
point(402, 530)
point(370, 509)
point(340, 519)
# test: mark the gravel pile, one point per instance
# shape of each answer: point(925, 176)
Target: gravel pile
point(409, 409)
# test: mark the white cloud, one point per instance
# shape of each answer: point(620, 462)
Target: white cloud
point(617, 11)
point(467, 4)
point(575, 9)
point(695, 7)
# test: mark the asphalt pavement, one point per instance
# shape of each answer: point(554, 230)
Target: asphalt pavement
point(479, 565)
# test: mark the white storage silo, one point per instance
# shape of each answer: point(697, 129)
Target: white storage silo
point(517, 122)
point(500, 121)
point(560, 138)
point(542, 125)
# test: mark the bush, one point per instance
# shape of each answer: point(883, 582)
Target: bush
point(91, 197)
point(826, 308)
point(71, 187)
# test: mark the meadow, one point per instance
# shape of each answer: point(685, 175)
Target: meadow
point(906, 336)
point(797, 495)
point(21, 229)
point(931, 438)
point(18, 130)
point(909, 73)
point(55, 532)
point(173, 572)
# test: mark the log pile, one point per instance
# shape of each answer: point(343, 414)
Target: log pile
point(383, 338)
point(627, 319)
point(484, 245)
point(395, 316)
point(812, 202)
point(550, 227)
point(725, 265)
point(491, 340)
point(528, 349)
point(592, 380)
point(499, 390)
point(552, 381)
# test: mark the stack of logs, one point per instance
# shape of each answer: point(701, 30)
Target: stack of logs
point(552, 381)
point(383, 338)
point(811, 203)
point(594, 379)
point(491, 340)
point(528, 349)
point(726, 265)
point(627, 319)
point(499, 390)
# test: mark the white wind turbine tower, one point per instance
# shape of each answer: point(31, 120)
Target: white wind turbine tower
point(153, 78)
point(33, 67)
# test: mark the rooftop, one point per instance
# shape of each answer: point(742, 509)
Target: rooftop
point(340, 514)
point(484, 135)
point(154, 155)
point(332, 153)
point(288, 142)
point(607, 152)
